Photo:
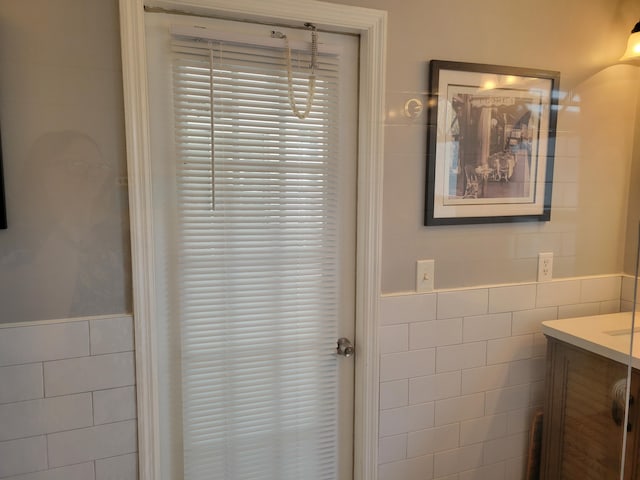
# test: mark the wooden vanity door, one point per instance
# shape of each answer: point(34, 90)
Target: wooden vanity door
point(581, 439)
point(634, 435)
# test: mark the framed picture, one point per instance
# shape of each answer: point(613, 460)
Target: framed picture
point(491, 143)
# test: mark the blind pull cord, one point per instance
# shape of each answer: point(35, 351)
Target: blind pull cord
point(211, 119)
point(312, 77)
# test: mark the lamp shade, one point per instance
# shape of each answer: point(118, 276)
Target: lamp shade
point(633, 46)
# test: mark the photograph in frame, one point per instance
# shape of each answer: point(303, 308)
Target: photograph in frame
point(490, 144)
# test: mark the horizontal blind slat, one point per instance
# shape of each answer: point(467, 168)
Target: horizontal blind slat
point(260, 268)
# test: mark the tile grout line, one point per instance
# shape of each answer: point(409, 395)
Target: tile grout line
point(44, 392)
point(93, 410)
point(46, 446)
point(90, 349)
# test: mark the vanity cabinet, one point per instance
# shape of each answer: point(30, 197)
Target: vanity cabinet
point(582, 426)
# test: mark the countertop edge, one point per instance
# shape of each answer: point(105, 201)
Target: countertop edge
point(599, 334)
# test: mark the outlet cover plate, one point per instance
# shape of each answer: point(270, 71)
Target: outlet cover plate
point(545, 266)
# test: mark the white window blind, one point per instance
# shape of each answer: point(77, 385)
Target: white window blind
point(257, 267)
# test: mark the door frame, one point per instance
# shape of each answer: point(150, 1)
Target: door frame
point(371, 26)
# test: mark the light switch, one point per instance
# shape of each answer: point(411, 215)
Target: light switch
point(425, 272)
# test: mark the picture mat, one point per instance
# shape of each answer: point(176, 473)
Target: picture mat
point(530, 91)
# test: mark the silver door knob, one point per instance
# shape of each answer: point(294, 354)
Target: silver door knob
point(345, 348)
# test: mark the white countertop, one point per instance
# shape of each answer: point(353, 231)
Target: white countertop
point(607, 335)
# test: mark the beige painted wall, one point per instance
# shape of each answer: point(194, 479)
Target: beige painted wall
point(633, 215)
point(67, 252)
point(580, 39)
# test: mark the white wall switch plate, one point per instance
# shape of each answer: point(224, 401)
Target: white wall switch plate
point(545, 266)
point(425, 271)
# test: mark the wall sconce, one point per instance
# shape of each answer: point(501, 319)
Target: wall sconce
point(632, 53)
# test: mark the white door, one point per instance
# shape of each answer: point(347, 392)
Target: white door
point(254, 211)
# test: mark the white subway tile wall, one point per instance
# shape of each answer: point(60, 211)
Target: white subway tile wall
point(117, 468)
point(114, 405)
point(461, 373)
point(23, 455)
point(394, 338)
point(579, 310)
point(479, 377)
point(552, 294)
point(485, 327)
point(509, 299)
point(102, 441)
point(21, 382)
point(81, 471)
point(395, 366)
point(627, 293)
point(434, 387)
point(437, 439)
point(43, 343)
point(46, 415)
point(466, 355)
point(462, 303)
point(435, 332)
point(394, 394)
point(610, 306)
point(393, 448)
point(67, 402)
point(110, 335)
point(600, 289)
point(417, 468)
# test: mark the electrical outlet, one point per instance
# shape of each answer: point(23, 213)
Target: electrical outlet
point(425, 270)
point(545, 266)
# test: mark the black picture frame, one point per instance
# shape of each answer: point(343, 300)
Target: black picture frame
point(3, 205)
point(490, 143)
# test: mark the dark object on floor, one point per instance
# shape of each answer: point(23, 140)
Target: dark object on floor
point(535, 446)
